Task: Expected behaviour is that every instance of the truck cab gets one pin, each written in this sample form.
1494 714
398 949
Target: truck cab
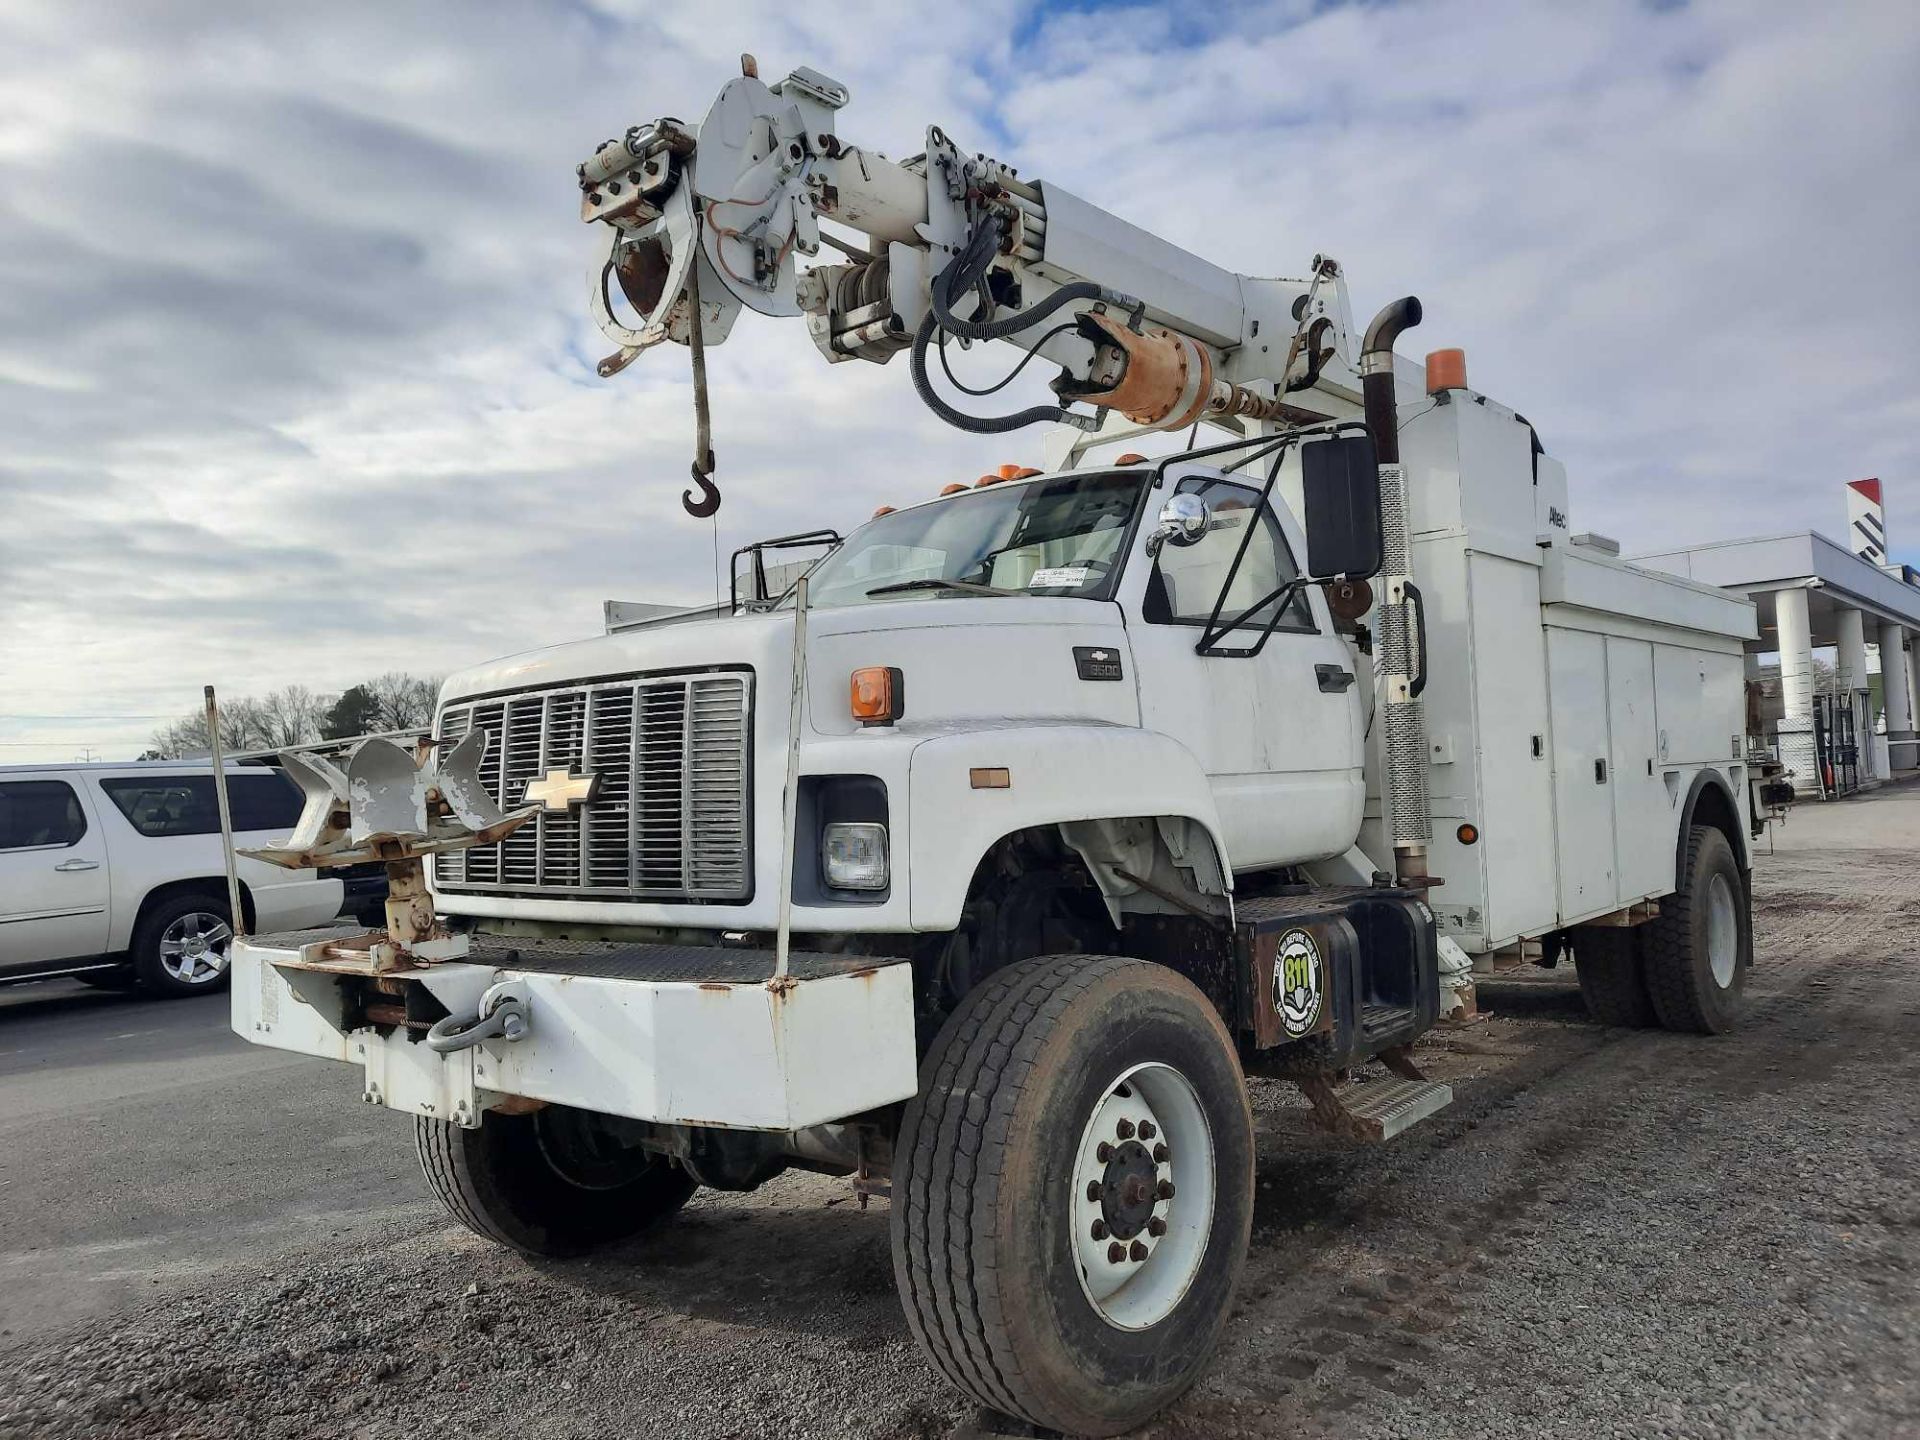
1022 632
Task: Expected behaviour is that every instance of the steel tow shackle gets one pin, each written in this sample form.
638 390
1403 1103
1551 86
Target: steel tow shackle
501 1015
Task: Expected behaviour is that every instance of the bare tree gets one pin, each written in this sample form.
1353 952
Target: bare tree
180 739
292 714
401 701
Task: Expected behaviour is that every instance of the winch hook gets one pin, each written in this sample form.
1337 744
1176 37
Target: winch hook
709 500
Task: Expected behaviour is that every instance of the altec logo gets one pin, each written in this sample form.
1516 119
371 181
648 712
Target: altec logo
1867 521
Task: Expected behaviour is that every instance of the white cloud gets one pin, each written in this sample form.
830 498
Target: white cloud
295 373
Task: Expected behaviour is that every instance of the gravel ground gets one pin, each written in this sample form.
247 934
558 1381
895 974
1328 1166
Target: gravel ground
1610 1233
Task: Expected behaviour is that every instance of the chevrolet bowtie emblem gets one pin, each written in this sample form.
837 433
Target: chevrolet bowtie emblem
562 790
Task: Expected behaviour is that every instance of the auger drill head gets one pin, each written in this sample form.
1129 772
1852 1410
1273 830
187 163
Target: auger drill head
385 806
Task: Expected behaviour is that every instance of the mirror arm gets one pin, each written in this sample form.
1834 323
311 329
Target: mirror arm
1279 599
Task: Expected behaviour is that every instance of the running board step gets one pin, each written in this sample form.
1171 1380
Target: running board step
1374 1112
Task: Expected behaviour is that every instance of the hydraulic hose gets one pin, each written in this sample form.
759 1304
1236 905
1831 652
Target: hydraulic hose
966 271
959 419
970 266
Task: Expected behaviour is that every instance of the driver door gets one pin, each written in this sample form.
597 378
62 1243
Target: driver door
1278 732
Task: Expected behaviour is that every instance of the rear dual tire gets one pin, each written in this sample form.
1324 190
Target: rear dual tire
1697 954
1686 969
1027 1131
1612 979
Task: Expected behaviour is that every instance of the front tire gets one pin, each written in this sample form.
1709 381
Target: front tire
1058 1259
1699 949
553 1182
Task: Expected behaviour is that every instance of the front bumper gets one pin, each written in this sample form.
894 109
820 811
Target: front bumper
677 1035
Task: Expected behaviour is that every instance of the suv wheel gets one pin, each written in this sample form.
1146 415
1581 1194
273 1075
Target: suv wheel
182 945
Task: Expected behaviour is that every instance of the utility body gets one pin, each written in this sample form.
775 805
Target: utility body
982 862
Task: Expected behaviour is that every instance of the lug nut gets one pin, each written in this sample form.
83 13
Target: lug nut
1093 1191
1124 1129
1146 1130
1156 1227
1104 1153
1099 1229
1138 1251
1159 1154
1116 1252
1164 1190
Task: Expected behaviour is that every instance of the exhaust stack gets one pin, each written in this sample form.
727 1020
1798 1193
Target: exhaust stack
1402 627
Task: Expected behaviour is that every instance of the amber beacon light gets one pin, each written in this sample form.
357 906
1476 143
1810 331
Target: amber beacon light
878 694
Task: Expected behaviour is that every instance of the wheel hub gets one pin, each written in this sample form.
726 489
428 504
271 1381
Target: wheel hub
193 947
1127 1196
1142 1198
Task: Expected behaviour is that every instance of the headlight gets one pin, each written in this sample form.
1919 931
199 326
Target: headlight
855 856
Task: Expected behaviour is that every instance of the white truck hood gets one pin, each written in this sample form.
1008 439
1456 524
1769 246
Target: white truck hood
964 657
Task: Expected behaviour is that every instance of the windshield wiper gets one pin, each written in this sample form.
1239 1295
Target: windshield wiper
933 584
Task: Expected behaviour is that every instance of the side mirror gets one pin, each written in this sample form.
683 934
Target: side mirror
1340 494
1183 521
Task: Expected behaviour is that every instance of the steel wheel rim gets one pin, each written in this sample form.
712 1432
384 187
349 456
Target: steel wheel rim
193 949
1175 1157
1723 931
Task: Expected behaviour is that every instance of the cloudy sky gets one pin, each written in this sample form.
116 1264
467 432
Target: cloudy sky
295 372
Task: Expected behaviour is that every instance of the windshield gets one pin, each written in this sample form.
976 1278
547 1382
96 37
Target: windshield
1060 536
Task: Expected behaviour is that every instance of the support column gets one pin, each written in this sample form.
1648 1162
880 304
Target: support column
1851 677
1897 684
1795 632
1913 683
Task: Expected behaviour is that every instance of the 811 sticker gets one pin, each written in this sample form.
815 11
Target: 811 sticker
1296 983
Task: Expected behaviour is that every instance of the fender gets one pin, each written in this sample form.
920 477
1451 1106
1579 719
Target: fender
1706 779
1055 772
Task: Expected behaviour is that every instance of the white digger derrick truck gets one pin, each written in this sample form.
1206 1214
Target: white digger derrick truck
983 863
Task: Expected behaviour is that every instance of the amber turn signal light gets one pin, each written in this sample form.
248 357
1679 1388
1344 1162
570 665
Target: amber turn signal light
878 694
1467 834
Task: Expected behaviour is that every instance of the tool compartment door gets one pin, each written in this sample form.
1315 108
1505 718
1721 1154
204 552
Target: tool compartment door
1582 773
1642 822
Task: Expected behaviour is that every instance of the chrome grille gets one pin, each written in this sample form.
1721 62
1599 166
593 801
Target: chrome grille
670 820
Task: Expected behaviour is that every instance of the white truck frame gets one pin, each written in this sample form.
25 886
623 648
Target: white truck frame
990 901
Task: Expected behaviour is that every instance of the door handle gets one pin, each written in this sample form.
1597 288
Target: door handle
70 865
1333 680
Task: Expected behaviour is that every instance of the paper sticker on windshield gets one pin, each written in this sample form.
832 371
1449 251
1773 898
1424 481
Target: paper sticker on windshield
1062 575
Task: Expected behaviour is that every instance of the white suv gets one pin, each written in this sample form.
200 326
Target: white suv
113 873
